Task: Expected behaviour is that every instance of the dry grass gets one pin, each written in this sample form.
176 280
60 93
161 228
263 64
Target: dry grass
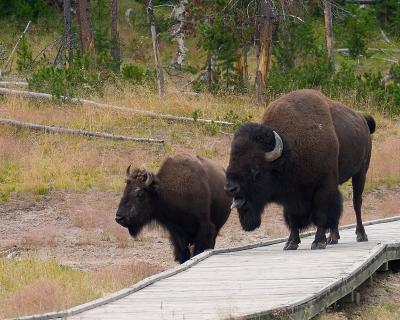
46 237
37 163
46 286
381 301
385 164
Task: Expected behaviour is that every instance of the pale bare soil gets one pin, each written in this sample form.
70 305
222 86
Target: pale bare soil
77 229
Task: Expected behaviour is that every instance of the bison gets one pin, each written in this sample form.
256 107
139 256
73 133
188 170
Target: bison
304 148
186 197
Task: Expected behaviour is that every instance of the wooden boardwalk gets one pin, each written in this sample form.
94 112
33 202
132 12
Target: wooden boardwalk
259 281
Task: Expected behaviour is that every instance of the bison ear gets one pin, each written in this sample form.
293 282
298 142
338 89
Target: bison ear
149 179
151 183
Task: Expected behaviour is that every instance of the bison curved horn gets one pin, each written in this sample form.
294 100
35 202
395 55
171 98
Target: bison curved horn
150 179
277 152
128 171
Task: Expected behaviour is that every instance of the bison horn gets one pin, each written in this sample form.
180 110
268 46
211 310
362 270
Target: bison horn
149 180
277 152
128 171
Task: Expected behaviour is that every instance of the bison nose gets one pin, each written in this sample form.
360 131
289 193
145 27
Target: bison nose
119 219
232 188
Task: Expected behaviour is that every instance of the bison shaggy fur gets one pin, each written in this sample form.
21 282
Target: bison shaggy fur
306 145
186 197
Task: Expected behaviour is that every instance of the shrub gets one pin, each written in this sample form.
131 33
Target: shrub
138 75
24 56
69 79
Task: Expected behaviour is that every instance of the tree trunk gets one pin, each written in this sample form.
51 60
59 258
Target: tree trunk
115 48
328 31
68 29
160 75
245 64
178 32
85 30
241 65
265 26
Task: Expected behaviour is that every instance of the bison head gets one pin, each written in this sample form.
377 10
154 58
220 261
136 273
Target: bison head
135 209
256 161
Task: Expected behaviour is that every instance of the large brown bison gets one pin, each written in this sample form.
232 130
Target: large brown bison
305 147
186 197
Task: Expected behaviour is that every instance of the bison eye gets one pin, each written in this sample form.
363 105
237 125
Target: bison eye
139 193
255 172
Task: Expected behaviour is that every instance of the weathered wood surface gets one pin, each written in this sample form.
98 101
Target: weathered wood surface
253 282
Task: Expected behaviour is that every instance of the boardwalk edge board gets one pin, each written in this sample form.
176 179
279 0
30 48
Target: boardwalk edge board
301 309
311 306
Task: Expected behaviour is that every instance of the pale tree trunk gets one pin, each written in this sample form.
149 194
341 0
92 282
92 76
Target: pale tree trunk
160 75
115 48
68 29
242 65
245 52
85 30
178 31
264 50
328 30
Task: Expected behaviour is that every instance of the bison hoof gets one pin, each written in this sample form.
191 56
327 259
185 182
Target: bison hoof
361 237
318 245
332 241
290 246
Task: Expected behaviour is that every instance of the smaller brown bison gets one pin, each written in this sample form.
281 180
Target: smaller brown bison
186 197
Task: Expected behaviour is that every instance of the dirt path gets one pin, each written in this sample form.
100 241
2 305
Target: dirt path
78 229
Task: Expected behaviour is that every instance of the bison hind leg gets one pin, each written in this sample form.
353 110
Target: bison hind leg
358 182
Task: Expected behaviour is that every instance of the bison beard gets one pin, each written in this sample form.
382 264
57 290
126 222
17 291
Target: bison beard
134 230
249 216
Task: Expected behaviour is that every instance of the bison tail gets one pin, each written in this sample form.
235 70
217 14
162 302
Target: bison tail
371 123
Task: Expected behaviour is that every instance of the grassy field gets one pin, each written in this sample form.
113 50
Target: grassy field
47 286
38 163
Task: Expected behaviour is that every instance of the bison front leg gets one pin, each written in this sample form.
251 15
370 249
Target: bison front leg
205 238
334 236
181 248
326 213
320 239
293 241
294 214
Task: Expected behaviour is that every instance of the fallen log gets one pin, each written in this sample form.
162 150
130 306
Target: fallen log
14 83
46 129
150 114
